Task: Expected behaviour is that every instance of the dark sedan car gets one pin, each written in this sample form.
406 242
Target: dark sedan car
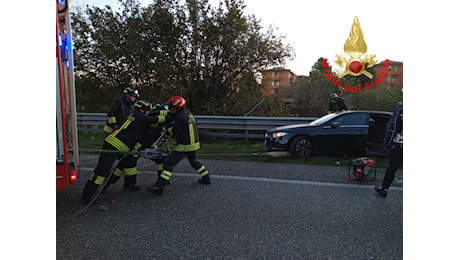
351 132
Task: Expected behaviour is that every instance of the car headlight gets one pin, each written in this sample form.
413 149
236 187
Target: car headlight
278 134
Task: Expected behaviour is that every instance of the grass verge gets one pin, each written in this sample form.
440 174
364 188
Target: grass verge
236 150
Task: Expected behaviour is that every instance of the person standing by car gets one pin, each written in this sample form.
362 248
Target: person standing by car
336 104
394 142
186 133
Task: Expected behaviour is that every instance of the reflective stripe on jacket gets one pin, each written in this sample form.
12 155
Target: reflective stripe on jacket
186 132
135 127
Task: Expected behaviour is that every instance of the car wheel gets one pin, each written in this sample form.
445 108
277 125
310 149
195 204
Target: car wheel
301 146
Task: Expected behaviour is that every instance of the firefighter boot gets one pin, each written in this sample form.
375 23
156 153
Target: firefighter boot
89 191
158 188
159 174
205 180
381 191
112 180
130 183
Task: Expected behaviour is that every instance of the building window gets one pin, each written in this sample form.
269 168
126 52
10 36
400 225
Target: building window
273 74
277 82
273 83
391 78
395 68
277 73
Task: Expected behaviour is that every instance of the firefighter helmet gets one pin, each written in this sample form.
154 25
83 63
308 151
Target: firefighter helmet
176 103
131 91
333 97
143 104
158 107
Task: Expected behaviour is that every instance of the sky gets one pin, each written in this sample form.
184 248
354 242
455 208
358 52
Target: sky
320 28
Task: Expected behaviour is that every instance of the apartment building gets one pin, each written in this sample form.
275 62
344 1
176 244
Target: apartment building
394 75
275 79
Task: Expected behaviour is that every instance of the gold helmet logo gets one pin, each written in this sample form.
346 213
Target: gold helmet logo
355 47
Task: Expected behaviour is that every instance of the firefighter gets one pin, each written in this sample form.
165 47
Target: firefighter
137 124
186 133
119 109
336 104
128 166
394 142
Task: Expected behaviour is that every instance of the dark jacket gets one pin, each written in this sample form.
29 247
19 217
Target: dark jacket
134 128
119 109
338 105
185 131
394 132
155 130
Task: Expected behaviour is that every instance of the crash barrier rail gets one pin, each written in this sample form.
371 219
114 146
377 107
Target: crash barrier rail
214 126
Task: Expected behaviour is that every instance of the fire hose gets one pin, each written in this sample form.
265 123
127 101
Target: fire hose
153 153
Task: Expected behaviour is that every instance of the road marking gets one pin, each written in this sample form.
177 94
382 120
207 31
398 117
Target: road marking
272 180
315 183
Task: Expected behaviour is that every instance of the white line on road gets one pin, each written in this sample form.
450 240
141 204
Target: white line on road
328 184
242 178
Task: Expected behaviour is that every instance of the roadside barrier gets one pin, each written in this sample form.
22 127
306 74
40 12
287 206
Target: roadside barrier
214 126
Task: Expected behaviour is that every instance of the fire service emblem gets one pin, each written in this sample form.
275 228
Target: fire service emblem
355 47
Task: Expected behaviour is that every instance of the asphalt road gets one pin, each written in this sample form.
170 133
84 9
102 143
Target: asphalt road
250 211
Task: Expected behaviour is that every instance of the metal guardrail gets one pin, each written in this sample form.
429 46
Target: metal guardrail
216 126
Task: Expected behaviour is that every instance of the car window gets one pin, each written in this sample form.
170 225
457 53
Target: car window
323 119
352 119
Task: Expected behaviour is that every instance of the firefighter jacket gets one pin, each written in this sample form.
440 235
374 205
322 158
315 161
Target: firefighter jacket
134 128
118 111
155 129
394 132
185 131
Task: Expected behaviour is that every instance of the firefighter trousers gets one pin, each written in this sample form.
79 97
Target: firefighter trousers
173 159
100 173
396 158
128 168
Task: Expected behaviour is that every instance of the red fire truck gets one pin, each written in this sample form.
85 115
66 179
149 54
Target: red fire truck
67 160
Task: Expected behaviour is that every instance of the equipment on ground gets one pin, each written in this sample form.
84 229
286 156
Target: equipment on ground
361 169
154 153
273 154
